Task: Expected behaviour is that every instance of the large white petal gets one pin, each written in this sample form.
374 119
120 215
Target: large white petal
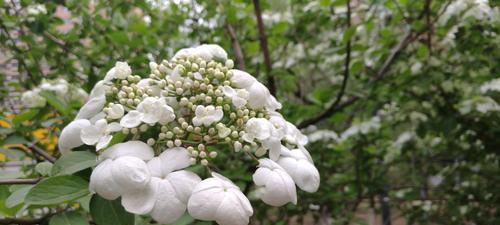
91 108
184 183
174 159
218 199
258 95
242 79
90 135
216 52
70 135
303 172
278 186
142 201
130 173
131 119
103 142
101 181
168 207
137 149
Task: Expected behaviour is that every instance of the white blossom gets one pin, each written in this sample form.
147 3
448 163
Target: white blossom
238 97
301 169
116 111
206 115
278 186
70 135
32 99
151 110
99 134
264 131
121 71
207 52
218 199
96 102
166 195
122 170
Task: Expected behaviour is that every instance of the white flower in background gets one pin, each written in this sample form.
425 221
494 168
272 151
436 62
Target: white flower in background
151 110
36 9
238 97
115 111
99 134
492 85
70 135
264 131
482 104
363 128
95 104
207 115
166 196
122 170
32 99
218 199
120 71
301 169
59 86
278 186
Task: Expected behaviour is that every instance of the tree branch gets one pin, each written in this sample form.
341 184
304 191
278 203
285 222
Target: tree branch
264 47
240 60
347 62
41 152
20 181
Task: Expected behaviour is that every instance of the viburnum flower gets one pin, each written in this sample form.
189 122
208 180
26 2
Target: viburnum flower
60 88
190 111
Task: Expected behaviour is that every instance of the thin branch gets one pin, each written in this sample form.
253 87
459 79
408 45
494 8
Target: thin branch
20 181
41 152
347 62
240 59
264 47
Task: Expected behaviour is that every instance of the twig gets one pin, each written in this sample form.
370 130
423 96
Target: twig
20 181
264 47
41 152
240 60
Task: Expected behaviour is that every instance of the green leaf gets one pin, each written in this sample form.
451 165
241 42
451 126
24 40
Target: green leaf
68 218
348 34
43 168
117 138
4 210
14 140
55 190
186 219
105 212
25 116
73 162
55 102
18 196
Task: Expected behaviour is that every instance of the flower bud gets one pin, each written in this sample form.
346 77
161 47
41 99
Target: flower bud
151 142
204 162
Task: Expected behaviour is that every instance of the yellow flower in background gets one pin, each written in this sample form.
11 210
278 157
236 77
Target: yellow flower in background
44 137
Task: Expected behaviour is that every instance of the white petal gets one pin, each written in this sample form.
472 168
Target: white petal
258 95
168 207
70 135
216 51
174 159
304 174
278 186
113 127
142 201
183 182
132 119
154 166
116 111
90 135
103 142
131 173
110 75
137 149
101 181
242 79
91 108
218 199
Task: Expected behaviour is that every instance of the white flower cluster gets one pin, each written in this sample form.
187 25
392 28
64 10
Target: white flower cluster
59 87
189 111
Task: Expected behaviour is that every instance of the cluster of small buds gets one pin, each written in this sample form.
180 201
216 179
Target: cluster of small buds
183 114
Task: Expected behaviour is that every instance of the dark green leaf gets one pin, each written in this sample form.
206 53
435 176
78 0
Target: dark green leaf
68 218
59 189
73 162
25 116
105 212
